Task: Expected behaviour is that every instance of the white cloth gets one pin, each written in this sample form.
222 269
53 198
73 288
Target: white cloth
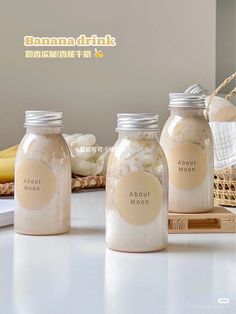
224 137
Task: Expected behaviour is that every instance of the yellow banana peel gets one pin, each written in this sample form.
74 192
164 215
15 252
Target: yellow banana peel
7 166
9 152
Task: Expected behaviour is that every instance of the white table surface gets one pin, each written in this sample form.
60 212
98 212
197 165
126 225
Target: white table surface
75 273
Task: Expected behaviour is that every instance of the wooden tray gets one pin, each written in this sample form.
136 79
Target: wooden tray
219 219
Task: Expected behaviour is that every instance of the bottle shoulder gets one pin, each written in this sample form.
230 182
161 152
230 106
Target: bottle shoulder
48 145
192 129
136 155
131 147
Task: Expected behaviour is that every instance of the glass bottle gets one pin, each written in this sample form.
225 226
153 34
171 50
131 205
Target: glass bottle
42 177
187 142
136 187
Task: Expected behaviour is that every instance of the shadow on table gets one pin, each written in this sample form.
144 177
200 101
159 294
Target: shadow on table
199 247
87 231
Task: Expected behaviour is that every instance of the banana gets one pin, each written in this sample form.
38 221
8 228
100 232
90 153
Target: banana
7 169
7 164
9 152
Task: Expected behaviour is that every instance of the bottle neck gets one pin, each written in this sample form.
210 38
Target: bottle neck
138 135
43 130
186 112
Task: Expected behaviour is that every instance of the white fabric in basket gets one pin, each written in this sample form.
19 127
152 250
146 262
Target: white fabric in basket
224 137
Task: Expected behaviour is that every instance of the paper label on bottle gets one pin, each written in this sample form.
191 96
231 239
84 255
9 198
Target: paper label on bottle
139 197
187 166
35 184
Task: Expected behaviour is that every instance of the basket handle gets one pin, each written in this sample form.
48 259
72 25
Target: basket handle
230 94
216 91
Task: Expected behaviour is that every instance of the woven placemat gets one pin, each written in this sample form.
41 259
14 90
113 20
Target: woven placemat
91 182
78 183
6 189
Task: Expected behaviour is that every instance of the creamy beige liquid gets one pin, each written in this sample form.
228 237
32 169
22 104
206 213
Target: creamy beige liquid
136 194
42 183
187 142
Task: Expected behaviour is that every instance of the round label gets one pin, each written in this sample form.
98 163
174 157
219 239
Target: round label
187 165
35 184
138 197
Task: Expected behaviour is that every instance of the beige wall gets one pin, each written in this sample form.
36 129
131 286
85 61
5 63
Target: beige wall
162 46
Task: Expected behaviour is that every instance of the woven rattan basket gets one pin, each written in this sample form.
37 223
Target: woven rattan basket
225 186
77 184
225 179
